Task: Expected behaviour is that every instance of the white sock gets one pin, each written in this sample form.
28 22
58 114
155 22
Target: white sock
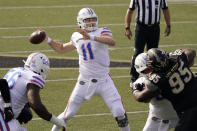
127 128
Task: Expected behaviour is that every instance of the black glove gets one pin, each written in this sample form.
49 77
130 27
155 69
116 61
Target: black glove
25 115
138 86
64 129
8 114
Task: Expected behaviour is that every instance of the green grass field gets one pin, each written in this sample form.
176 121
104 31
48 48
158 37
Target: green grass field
19 18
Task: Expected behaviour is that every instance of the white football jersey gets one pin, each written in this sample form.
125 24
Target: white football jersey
18 78
93 56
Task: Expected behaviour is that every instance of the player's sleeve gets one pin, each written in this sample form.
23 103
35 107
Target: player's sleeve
185 58
180 53
132 5
139 81
146 83
106 31
150 85
164 4
176 52
37 80
4 88
75 37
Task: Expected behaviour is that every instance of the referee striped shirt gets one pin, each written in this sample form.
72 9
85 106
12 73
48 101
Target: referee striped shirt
148 11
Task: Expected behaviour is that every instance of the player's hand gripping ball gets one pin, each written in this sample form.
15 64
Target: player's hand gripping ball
37 37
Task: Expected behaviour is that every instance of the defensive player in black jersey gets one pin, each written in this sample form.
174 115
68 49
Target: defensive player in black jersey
5 93
172 76
171 73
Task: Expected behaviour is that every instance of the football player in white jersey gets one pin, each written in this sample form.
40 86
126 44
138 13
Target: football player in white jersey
162 115
92 44
24 86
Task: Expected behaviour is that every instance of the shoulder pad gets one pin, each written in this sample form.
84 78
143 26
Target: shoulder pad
106 31
38 80
76 36
176 52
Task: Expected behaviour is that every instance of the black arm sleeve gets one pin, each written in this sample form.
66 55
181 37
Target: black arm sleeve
5 92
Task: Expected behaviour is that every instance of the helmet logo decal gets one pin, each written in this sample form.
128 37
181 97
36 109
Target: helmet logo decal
45 62
144 60
90 11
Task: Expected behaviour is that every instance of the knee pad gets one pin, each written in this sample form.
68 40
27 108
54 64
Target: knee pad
122 122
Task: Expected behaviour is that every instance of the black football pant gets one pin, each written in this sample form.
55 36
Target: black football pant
188 121
144 35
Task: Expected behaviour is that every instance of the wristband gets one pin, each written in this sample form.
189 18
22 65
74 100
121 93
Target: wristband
6 105
49 40
92 37
127 28
58 122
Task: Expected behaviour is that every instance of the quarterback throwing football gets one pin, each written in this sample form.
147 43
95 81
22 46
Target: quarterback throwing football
92 44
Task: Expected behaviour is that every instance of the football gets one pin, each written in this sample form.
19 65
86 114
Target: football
37 37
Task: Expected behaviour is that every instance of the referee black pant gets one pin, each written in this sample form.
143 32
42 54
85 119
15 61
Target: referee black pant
148 35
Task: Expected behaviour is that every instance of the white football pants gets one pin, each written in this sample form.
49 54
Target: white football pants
156 124
87 87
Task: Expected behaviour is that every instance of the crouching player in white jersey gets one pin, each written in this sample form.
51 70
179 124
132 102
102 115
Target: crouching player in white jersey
162 115
24 86
92 44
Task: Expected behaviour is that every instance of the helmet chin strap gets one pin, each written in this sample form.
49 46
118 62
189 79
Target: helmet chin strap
31 70
36 72
90 28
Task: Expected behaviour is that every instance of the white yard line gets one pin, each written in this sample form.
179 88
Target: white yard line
168 45
61 6
111 49
72 79
21 52
101 114
71 26
90 5
14 37
38 27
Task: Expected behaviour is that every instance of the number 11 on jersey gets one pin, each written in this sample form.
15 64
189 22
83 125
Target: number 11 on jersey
87 49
